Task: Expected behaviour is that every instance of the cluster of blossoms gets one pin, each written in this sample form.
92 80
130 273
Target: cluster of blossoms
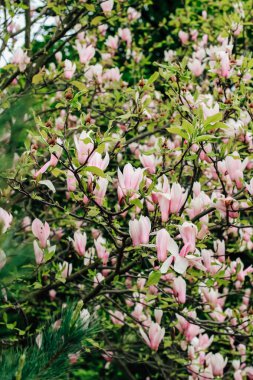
144 188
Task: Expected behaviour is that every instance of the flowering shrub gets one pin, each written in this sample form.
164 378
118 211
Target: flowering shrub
131 186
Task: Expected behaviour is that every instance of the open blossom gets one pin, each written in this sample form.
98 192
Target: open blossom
139 230
129 181
112 75
184 37
154 337
188 232
5 220
107 6
150 162
84 147
117 317
97 160
41 232
164 244
103 254
21 59
94 72
54 158
65 269
224 60
71 181
112 42
100 190
38 253
79 243
86 53
235 168
69 69
196 67
217 362
184 258
125 35
133 14
179 289
171 201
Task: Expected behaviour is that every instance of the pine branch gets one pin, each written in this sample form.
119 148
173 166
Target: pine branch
58 340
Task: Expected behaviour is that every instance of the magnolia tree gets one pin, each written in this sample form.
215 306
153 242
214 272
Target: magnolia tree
126 176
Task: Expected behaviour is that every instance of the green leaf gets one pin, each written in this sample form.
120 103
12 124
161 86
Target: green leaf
178 131
187 126
153 78
95 170
81 86
89 7
49 184
213 119
97 20
137 203
37 78
154 278
50 253
206 138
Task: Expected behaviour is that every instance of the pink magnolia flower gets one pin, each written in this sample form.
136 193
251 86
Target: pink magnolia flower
100 190
196 67
225 205
209 110
183 259
26 223
84 147
133 14
103 254
183 36
217 362
125 35
94 72
102 29
107 6
117 317
150 162
69 69
38 253
71 181
112 42
179 289
58 56
164 244
79 243
65 269
21 59
171 201
52 162
97 160
86 53
112 75
5 220
188 232
129 181
52 294
235 168
139 230
224 70
158 316
41 232
154 337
